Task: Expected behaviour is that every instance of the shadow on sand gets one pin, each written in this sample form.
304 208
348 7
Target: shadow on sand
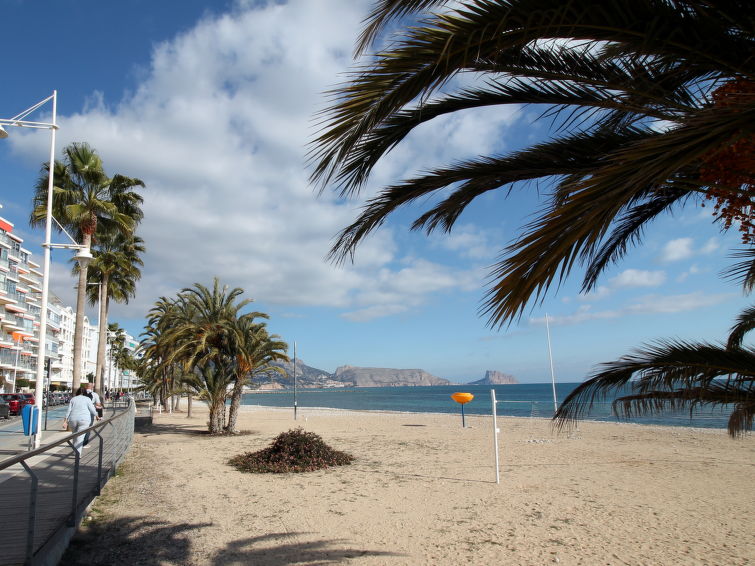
188 429
147 542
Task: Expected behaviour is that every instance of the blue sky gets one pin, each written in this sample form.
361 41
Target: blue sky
212 104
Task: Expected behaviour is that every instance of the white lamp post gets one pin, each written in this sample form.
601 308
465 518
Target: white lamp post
82 257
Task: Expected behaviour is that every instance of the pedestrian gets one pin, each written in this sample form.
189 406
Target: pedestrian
95 398
81 414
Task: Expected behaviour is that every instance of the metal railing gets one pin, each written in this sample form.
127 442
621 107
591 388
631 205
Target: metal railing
44 493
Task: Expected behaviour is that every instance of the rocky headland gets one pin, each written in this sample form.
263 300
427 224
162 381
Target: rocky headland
493 377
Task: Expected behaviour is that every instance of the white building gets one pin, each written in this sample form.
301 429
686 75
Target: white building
115 377
20 308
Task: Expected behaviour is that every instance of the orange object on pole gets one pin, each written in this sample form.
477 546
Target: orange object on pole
462 399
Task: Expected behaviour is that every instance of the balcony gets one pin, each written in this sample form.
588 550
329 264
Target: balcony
10 325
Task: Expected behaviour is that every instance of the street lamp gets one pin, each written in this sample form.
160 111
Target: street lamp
83 256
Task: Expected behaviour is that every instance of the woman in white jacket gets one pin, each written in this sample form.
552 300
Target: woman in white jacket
81 413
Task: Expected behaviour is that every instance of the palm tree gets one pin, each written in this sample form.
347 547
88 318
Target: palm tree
201 340
87 201
254 351
122 358
157 371
212 380
114 271
673 374
651 102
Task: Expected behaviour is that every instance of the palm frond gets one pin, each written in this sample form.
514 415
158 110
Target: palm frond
628 232
745 323
386 11
743 271
667 374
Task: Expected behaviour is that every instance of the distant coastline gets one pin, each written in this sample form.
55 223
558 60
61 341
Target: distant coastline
308 377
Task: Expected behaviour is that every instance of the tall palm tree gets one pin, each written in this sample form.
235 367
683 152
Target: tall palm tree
86 201
651 103
254 351
114 271
673 374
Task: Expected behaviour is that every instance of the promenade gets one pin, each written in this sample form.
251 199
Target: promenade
13 441
44 494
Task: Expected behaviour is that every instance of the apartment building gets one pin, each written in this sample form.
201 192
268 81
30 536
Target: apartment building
20 281
20 308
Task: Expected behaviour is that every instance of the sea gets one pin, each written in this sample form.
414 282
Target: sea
521 400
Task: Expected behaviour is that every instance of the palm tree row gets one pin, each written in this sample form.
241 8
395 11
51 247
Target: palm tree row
652 107
112 275
121 358
100 210
201 342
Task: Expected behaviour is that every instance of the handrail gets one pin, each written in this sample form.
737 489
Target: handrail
42 449
46 498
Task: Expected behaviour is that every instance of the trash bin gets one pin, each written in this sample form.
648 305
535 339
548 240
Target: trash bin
29 418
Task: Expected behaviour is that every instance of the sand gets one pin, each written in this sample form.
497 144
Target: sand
422 491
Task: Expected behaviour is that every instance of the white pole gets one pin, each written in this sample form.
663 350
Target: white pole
550 357
42 344
495 436
295 407
15 367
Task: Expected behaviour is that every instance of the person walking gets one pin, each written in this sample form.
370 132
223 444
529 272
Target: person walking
94 396
81 414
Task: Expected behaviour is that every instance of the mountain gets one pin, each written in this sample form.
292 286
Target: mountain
306 376
493 377
345 376
386 377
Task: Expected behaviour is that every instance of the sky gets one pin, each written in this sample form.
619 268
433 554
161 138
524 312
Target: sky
213 103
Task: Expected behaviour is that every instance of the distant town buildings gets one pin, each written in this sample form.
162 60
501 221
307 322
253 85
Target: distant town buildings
20 308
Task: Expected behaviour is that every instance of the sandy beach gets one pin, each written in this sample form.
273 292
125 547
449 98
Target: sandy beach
422 491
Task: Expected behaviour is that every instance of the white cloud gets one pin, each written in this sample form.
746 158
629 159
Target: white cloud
676 250
377 311
693 270
638 278
711 246
626 279
388 292
471 242
583 314
683 248
677 303
649 304
600 292
219 136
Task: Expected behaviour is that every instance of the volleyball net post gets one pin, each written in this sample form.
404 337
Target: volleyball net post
496 430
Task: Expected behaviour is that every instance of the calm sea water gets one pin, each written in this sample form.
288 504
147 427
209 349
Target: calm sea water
523 400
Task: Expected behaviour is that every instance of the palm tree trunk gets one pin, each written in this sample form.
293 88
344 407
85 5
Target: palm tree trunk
102 338
217 416
188 404
238 388
164 392
78 333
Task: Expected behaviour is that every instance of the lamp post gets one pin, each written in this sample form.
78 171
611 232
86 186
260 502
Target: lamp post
82 257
